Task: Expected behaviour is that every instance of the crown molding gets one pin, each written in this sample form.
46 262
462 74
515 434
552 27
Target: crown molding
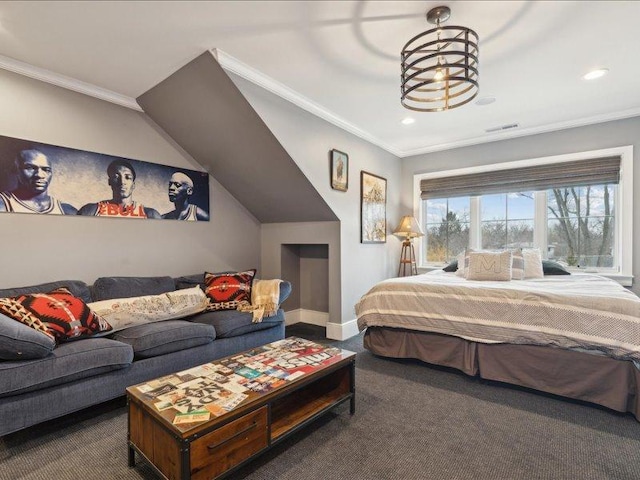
235 66
69 83
553 127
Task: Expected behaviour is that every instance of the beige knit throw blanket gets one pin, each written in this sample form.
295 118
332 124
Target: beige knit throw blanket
265 295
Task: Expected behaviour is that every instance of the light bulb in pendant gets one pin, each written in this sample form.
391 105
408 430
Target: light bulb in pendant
439 75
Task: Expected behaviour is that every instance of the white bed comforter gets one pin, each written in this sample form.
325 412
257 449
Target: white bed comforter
579 311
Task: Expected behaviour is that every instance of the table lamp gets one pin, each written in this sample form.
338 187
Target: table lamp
409 228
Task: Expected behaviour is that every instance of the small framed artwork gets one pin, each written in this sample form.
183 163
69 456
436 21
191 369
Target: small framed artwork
373 208
339 162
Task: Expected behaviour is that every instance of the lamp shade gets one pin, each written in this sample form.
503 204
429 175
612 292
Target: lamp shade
409 228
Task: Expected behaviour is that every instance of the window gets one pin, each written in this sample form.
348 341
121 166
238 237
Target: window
507 220
588 226
580 226
447 228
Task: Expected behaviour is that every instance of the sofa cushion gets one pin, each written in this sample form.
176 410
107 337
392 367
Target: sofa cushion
105 288
228 290
189 281
20 342
76 287
231 323
64 316
123 313
68 362
154 339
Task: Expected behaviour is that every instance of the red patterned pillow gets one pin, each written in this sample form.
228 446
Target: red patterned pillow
227 290
57 313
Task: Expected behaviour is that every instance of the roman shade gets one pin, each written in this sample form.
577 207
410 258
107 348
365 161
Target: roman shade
594 171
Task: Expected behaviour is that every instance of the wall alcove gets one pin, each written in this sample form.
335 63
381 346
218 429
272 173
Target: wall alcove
306 266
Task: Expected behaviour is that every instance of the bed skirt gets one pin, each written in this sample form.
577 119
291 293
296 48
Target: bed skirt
605 381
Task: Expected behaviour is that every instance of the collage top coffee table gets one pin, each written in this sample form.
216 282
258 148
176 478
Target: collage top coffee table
207 421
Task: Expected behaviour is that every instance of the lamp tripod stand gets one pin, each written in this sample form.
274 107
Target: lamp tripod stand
407 259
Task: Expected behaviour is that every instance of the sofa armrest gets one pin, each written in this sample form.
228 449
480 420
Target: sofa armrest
285 291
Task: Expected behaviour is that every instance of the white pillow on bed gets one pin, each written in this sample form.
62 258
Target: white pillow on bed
495 266
532 263
517 262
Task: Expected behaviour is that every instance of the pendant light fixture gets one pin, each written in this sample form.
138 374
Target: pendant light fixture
440 66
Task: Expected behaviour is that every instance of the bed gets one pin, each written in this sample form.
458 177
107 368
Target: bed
577 336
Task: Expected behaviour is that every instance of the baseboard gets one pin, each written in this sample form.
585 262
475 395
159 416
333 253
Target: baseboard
342 331
302 315
335 331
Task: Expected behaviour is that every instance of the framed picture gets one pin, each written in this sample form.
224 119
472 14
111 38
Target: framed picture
339 162
373 208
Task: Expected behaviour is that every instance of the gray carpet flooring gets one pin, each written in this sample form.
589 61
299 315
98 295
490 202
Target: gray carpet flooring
412 421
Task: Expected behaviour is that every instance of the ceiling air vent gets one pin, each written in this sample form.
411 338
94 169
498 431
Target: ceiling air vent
502 127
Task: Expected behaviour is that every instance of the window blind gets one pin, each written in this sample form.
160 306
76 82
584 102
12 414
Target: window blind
595 171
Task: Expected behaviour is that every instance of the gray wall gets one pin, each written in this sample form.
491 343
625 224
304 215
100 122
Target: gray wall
307 268
290 269
203 111
308 140
38 248
592 137
314 277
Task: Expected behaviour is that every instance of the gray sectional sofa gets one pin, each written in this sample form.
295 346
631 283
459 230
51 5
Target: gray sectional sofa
82 373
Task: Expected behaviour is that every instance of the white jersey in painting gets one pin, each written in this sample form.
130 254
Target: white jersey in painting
14 204
192 214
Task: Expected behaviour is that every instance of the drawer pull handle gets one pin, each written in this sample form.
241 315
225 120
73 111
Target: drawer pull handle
240 433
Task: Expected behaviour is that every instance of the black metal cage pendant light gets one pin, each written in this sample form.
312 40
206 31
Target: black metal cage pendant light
440 66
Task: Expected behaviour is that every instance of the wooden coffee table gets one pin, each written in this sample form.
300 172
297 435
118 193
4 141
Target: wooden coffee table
205 422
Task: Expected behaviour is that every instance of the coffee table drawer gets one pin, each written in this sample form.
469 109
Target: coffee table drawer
226 447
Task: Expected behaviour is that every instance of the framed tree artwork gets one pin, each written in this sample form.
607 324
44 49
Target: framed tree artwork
339 162
373 208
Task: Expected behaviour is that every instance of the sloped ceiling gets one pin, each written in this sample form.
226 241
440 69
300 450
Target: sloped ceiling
205 113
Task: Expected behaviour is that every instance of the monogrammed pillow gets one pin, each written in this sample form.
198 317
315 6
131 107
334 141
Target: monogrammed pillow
490 266
517 263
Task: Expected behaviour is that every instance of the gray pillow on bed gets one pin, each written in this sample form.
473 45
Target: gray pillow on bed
452 267
549 267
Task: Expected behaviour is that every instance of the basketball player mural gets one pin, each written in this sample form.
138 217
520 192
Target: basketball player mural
33 172
122 180
180 189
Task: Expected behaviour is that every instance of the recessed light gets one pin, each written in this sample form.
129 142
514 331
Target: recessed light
485 100
593 74
408 121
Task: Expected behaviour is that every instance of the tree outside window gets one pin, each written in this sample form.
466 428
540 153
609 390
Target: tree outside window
447 228
581 225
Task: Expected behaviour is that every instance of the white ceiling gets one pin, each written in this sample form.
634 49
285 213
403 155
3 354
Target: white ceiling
340 59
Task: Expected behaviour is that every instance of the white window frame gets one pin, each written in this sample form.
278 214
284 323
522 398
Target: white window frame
623 204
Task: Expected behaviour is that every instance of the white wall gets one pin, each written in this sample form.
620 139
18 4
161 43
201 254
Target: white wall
35 249
592 137
308 140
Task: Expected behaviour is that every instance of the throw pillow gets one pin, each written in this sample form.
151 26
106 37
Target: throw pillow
549 267
63 316
123 313
517 264
532 263
451 267
19 342
227 290
490 266
462 262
